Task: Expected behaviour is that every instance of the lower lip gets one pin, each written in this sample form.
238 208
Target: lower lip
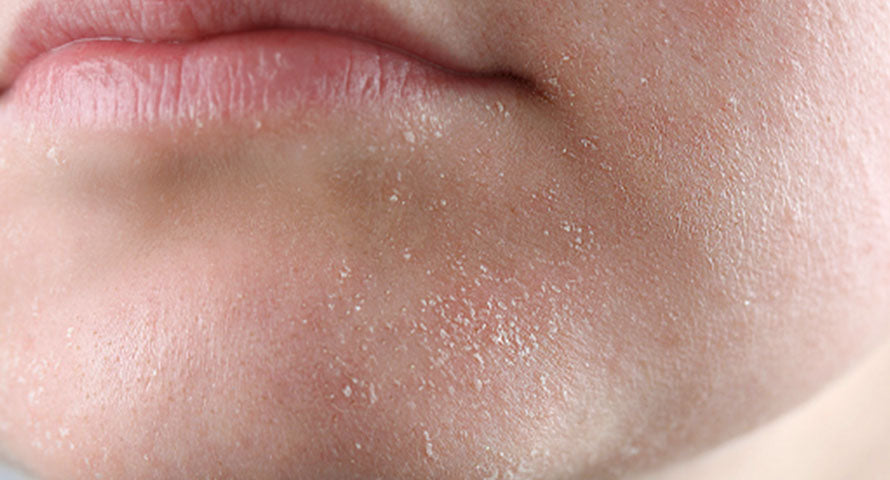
120 84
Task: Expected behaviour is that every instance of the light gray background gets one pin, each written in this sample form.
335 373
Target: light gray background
8 474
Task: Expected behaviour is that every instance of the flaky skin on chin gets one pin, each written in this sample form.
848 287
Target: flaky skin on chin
675 227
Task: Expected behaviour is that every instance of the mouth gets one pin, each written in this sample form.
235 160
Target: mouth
103 63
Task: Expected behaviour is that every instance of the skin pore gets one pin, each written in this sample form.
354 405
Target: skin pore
668 225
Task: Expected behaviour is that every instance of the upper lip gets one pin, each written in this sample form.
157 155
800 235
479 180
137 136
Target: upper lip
51 24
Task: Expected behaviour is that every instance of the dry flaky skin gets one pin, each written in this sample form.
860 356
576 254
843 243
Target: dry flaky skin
685 235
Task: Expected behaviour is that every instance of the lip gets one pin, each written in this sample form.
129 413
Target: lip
116 62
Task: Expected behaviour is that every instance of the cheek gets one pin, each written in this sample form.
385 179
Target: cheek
249 360
238 329
742 152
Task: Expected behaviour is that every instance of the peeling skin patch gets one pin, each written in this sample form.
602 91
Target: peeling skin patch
428 445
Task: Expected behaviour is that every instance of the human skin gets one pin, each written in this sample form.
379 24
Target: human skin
670 224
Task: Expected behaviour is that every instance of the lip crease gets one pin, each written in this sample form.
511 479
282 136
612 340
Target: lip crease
118 63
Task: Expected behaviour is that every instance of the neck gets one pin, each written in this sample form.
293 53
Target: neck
844 432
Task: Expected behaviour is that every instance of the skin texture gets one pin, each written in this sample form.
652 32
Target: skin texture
673 228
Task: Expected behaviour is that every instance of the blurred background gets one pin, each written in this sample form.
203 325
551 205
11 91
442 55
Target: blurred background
7 473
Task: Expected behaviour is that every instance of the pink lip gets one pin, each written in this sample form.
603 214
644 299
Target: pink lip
122 84
109 63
